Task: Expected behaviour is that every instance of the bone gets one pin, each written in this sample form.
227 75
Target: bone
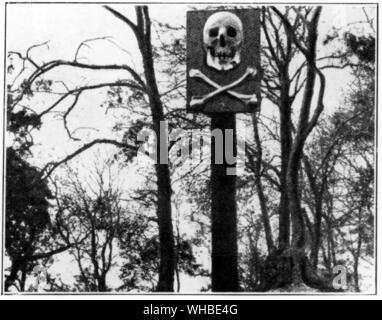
247 98
198 101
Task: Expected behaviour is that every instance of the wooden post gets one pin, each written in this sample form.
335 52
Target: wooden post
223 212
227 31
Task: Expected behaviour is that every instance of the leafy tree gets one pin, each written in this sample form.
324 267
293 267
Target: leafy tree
27 215
27 220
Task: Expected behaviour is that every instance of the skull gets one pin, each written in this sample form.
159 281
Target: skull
222 38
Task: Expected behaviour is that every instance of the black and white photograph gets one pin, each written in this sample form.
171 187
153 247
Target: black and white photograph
189 149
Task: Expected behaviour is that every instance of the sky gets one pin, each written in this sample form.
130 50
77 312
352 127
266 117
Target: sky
65 26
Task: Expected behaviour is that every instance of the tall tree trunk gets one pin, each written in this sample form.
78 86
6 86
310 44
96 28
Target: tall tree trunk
293 185
101 283
356 256
317 192
166 236
316 234
23 278
330 240
356 276
286 142
12 277
294 161
301 270
259 188
142 31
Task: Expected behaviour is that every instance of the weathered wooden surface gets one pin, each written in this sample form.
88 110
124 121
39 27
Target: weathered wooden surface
196 59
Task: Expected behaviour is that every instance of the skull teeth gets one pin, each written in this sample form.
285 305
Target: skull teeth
222 55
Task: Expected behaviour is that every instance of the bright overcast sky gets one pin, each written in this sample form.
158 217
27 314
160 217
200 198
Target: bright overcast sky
65 26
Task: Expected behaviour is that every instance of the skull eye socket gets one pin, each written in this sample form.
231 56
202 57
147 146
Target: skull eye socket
213 32
231 32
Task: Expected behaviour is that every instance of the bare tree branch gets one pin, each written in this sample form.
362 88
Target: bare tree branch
51 166
79 90
120 16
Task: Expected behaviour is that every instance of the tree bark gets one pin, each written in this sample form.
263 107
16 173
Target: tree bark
101 283
356 277
286 142
13 275
259 188
356 255
166 236
301 268
318 202
142 32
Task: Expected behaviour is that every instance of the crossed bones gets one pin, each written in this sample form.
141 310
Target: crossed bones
198 101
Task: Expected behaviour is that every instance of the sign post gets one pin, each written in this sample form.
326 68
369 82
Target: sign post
223 60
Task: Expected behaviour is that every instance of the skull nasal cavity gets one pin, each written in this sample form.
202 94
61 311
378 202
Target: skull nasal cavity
222 40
